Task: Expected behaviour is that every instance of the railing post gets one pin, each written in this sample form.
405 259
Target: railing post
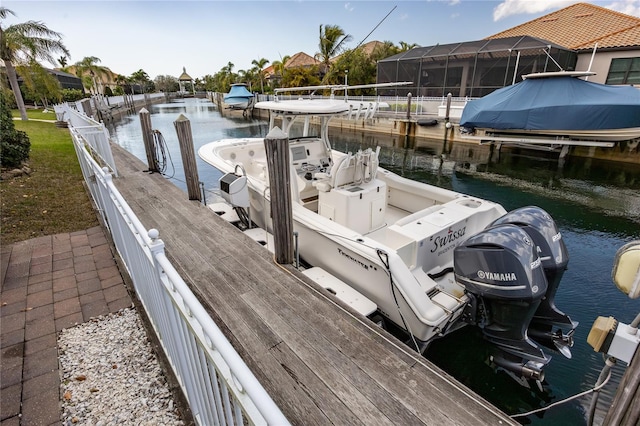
277 149
185 138
147 137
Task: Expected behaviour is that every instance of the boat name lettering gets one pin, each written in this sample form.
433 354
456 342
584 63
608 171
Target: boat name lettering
556 237
496 276
353 259
451 236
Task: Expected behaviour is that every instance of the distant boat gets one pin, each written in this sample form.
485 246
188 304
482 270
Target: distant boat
238 97
558 106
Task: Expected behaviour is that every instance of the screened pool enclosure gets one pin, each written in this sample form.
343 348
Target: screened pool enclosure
473 68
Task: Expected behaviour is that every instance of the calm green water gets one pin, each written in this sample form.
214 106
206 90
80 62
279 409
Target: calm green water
595 204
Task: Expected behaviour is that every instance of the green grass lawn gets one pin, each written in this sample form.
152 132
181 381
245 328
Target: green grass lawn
36 113
52 199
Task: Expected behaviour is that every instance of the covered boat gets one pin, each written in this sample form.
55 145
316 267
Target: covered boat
238 97
410 256
558 105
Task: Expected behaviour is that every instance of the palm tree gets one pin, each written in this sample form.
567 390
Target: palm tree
332 41
278 69
140 77
89 66
25 42
259 66
404 46
62 60
122 82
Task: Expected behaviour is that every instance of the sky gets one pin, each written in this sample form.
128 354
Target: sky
162 37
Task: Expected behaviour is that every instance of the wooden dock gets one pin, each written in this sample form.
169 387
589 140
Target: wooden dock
321 362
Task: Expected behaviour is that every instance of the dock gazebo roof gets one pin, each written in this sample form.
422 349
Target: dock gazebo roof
184 77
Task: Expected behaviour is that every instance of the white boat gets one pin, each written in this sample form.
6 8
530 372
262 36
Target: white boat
385 244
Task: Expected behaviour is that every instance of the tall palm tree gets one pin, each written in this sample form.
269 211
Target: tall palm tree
332 42
259 66
62 60
88 66
25 42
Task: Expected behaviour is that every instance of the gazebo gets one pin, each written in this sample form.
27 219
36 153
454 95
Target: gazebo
186 78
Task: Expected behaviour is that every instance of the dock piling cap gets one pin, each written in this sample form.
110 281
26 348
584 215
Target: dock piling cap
276 133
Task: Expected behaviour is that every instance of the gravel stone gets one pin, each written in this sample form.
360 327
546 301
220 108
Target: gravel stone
110 375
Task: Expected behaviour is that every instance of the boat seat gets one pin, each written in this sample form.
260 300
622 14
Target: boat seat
338 175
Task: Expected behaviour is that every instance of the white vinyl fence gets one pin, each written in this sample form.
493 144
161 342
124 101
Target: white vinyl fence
218 385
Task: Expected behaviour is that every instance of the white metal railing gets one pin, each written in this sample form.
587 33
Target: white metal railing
93 133
421 106
218 385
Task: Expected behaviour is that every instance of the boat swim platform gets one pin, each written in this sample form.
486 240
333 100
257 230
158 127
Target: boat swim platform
321 362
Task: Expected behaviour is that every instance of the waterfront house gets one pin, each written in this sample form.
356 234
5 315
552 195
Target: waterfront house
565 39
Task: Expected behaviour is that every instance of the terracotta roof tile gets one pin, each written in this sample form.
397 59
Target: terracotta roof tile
624 38
580 26
301 59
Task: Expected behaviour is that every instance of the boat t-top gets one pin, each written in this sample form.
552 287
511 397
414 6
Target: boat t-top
407 255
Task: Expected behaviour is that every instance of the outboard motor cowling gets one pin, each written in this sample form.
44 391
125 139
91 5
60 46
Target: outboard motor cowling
501 272
545 235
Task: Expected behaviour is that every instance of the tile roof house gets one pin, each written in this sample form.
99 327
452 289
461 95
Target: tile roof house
301 59
583 27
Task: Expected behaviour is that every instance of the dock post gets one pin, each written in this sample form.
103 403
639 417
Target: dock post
625 408
147 137
220 103
277 149
185 138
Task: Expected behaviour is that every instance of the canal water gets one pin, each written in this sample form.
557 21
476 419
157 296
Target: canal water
595 204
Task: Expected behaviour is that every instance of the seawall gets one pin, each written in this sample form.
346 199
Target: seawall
412 135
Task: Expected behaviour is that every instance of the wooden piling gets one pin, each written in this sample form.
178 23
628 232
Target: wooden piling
277 149
625 408
185 139
147 137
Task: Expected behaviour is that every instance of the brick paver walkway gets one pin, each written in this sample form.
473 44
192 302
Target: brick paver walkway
48 284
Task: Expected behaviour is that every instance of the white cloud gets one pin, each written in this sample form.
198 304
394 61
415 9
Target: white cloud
348 7
630 7
516 7
455 15
453 2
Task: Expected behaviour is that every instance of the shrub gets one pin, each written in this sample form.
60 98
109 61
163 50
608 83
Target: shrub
14 144
72 95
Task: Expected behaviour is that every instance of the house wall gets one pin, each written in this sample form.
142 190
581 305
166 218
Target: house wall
602 62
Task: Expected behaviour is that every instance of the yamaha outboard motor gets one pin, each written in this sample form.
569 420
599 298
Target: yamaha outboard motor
539 225
501 272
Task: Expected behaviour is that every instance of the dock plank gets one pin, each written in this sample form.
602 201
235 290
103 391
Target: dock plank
321 362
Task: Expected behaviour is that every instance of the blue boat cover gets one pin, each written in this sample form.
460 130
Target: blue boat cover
555 103
238 91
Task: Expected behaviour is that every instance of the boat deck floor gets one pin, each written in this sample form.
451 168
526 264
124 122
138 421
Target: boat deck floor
321 362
